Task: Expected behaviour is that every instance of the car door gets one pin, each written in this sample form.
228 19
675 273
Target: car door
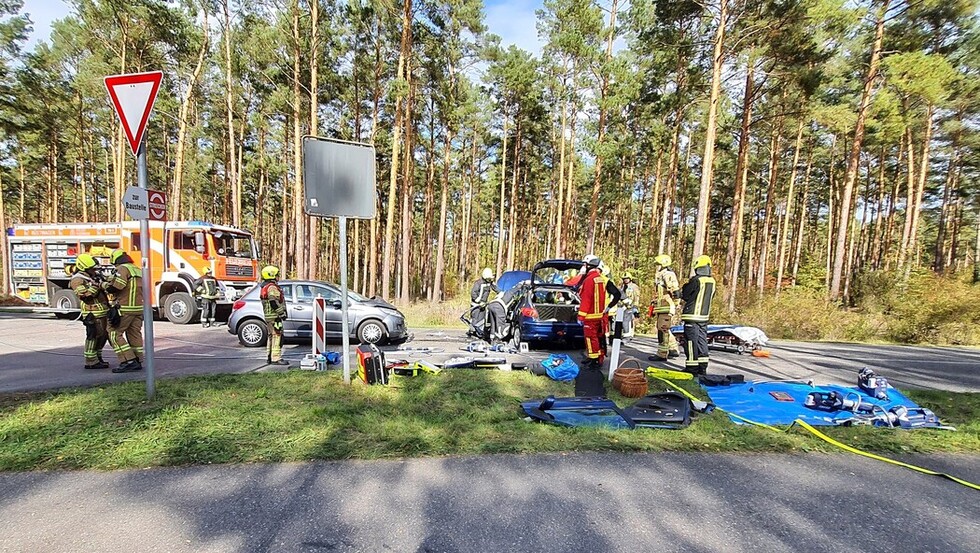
332 298
287 295
301 310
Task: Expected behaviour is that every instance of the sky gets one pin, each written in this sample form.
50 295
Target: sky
512 20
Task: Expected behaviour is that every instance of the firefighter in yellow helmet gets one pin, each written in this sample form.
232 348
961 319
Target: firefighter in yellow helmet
125 316
697 295
94 304
206 288
664 307
274 310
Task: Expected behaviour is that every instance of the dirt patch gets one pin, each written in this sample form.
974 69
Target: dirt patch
13 301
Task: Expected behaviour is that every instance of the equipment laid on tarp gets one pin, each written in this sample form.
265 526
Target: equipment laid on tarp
784 402
736 338
668 410
560 367
483 347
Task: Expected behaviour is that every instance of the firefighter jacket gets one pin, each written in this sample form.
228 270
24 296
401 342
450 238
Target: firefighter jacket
273 301
481 292
667 291
592 294
697 294
92 297
207 288
127 288
632 293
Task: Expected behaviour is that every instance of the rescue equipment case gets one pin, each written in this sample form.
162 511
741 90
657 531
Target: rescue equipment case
371 367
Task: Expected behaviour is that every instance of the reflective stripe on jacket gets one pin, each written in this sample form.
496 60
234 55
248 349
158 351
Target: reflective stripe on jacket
592 295
697 294
127 287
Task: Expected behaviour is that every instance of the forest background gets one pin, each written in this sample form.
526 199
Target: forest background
823 152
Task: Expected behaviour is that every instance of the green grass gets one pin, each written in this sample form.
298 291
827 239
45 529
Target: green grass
303 416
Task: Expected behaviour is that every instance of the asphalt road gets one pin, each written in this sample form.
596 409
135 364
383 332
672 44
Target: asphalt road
555 503
40 352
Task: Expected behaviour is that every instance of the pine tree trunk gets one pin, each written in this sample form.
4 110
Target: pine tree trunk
803 214
733 253
182 117
781 263
920 190
855 155
441 243
603 92
231 174
387 266
513 198
561 181
5 287
707 161
503 183
774 147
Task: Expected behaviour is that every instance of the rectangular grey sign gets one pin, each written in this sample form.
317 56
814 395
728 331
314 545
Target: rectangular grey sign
339 178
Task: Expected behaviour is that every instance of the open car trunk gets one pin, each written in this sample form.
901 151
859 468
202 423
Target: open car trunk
558 304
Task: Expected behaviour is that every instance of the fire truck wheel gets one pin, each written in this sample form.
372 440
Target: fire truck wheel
180 308
64 299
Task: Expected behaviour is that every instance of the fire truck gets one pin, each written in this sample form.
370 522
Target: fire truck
179 253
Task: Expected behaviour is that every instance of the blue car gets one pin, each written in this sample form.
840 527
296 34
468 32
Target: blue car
542 306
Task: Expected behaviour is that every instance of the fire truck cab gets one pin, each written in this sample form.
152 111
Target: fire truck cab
179 253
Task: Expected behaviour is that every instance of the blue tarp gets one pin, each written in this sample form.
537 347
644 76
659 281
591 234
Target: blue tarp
758 402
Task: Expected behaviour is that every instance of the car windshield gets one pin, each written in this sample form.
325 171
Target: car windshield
230 244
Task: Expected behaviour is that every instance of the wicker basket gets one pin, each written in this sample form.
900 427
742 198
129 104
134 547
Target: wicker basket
630 380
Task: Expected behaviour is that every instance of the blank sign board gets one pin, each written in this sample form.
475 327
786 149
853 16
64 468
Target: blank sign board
339 178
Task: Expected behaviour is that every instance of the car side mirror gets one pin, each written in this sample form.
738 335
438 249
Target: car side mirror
336 304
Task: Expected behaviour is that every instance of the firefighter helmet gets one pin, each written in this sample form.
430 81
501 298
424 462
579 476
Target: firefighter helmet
628 275
270 272
115 255
487 274
702 261
84 262
591 260
663 260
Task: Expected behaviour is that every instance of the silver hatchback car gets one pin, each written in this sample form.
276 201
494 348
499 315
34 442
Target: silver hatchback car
372 320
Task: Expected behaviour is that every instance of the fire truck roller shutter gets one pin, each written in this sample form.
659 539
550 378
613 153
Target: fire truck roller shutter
179 306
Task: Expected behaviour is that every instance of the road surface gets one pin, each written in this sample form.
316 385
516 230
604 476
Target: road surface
589 502
39 352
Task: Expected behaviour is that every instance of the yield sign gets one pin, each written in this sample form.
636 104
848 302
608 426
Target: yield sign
133 95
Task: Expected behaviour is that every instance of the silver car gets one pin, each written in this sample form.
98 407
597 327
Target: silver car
372 320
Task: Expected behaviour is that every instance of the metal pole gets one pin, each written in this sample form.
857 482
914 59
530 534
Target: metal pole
147 278
345 326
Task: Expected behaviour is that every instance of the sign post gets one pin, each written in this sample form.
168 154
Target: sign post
340 180
132 97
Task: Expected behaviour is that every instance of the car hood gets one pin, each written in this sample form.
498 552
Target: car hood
378 302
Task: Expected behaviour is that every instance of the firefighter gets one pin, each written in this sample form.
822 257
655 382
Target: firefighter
664 307
126 323
592 310
206 288
697 294
85 282
613 296
274 308
631 293
483 289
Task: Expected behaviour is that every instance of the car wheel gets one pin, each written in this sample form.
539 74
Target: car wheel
180 308
372 331
252 333
516 335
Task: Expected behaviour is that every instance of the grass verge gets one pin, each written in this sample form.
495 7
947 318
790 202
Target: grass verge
298 416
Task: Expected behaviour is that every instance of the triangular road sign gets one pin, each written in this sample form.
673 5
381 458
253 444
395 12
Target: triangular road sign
132 96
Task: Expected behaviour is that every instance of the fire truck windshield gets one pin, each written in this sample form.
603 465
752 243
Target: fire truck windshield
234 245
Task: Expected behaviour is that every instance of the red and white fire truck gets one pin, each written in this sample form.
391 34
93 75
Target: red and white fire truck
179 253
